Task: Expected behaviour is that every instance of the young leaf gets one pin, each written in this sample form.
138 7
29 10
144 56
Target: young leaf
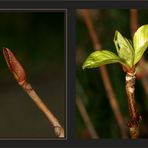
140 42
99 58
124 48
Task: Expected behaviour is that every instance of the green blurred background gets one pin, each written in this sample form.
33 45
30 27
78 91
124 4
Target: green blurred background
37 40
89 85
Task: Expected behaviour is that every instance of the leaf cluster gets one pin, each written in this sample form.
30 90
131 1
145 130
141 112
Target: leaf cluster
129 53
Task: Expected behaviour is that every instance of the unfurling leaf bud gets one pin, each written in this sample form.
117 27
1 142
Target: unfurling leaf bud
14 66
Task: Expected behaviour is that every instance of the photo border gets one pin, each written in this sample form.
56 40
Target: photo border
65 70
71 6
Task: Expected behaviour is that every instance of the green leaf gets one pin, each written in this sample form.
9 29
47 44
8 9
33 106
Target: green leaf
140 42
124 48
99 58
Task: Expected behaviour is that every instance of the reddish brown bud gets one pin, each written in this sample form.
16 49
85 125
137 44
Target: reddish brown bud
14 66
124 69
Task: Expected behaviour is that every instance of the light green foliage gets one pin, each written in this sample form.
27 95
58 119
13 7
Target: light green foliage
124 49
128 54
99 58
140 42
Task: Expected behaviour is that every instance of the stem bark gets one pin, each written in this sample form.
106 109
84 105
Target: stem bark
135 119
58 129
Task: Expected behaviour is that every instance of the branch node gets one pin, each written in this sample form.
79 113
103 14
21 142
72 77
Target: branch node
58 131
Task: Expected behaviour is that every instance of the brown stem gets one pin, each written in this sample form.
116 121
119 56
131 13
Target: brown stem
104 75
134 21
134 27
91 29
59 131
19 73
86 118
130 88
145 75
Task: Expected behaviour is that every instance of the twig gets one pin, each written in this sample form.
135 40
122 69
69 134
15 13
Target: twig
37 100
19 74
134 27
135 119
134 21
86 118
104 75
130 85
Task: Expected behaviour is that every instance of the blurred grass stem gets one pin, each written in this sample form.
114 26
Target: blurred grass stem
134 26
104 75
86 118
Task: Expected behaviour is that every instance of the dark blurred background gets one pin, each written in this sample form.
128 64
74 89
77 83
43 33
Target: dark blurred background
89 86
37 40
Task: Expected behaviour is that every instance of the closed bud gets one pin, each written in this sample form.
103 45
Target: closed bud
14 66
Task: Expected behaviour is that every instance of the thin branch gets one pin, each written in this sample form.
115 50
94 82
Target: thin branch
134 21
86 118
134 27
59 131
135 119
83 110
19 74
104 75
